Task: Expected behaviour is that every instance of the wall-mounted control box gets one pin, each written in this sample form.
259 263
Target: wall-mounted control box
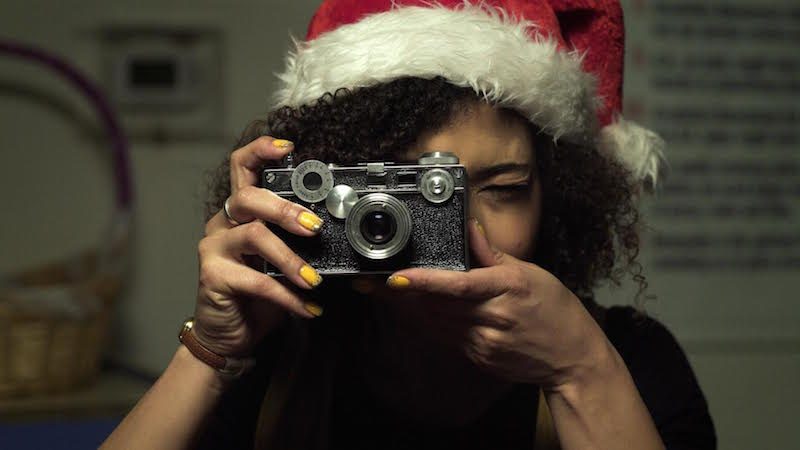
164 77
166 83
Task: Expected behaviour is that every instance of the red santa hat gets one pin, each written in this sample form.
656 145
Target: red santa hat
557 62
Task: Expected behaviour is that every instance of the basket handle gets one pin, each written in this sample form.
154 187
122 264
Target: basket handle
115 246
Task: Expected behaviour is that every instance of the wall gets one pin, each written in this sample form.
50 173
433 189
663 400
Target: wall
718 80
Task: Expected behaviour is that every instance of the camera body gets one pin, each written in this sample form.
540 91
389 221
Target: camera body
379 217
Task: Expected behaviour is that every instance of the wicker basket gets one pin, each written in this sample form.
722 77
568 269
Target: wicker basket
53 326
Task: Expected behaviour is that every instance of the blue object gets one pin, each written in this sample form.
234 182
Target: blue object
57 435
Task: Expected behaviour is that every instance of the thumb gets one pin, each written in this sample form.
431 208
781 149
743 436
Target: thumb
486 255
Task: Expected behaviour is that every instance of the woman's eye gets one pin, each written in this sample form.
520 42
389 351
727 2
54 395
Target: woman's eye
507 190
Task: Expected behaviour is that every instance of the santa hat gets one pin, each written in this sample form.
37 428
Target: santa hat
557 62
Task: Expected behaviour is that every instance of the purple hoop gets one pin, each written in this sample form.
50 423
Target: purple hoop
119 144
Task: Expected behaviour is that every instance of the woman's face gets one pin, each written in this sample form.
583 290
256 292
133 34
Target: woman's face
496 147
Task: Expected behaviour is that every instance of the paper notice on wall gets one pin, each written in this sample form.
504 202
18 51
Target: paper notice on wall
720 81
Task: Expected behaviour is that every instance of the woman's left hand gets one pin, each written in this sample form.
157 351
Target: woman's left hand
509 317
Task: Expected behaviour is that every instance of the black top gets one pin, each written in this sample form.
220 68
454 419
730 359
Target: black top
656 362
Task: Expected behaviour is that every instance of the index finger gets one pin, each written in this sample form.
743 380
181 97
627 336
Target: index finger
475 284
248 160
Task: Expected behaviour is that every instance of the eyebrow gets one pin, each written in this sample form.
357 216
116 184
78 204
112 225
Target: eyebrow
485 173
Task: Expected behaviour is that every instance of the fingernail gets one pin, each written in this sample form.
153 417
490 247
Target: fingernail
313 308
309 221
310 276
398 282
479 227
282 144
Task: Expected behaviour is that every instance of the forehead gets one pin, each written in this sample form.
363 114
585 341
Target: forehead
480 137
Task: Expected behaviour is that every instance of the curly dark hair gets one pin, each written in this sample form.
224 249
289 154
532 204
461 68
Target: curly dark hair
589 225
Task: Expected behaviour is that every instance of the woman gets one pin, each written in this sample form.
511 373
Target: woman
437 358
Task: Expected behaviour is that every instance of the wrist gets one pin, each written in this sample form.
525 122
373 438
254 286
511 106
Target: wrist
601 370
588 356
226 366
602 408
188 364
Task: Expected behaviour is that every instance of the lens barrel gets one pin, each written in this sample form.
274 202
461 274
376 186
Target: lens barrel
378 226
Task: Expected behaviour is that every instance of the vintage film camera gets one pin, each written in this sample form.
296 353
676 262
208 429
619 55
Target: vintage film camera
380 216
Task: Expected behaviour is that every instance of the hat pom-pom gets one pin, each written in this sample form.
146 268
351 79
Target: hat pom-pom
640 150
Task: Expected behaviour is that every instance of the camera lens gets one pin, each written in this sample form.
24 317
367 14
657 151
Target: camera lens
312 181
378 227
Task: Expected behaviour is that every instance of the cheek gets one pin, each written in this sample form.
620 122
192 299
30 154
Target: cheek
512 234
510 228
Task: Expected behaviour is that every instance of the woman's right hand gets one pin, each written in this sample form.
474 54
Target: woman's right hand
236 304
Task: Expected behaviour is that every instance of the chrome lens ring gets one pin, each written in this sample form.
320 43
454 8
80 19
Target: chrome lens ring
387 204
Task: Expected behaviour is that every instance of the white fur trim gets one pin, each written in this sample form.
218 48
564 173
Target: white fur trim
639 149
472 46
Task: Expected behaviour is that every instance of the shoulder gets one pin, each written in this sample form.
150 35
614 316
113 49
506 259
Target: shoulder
664 377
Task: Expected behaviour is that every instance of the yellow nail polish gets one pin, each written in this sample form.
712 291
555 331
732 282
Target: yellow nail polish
309 221
398 282
310 276
282 144
313 308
